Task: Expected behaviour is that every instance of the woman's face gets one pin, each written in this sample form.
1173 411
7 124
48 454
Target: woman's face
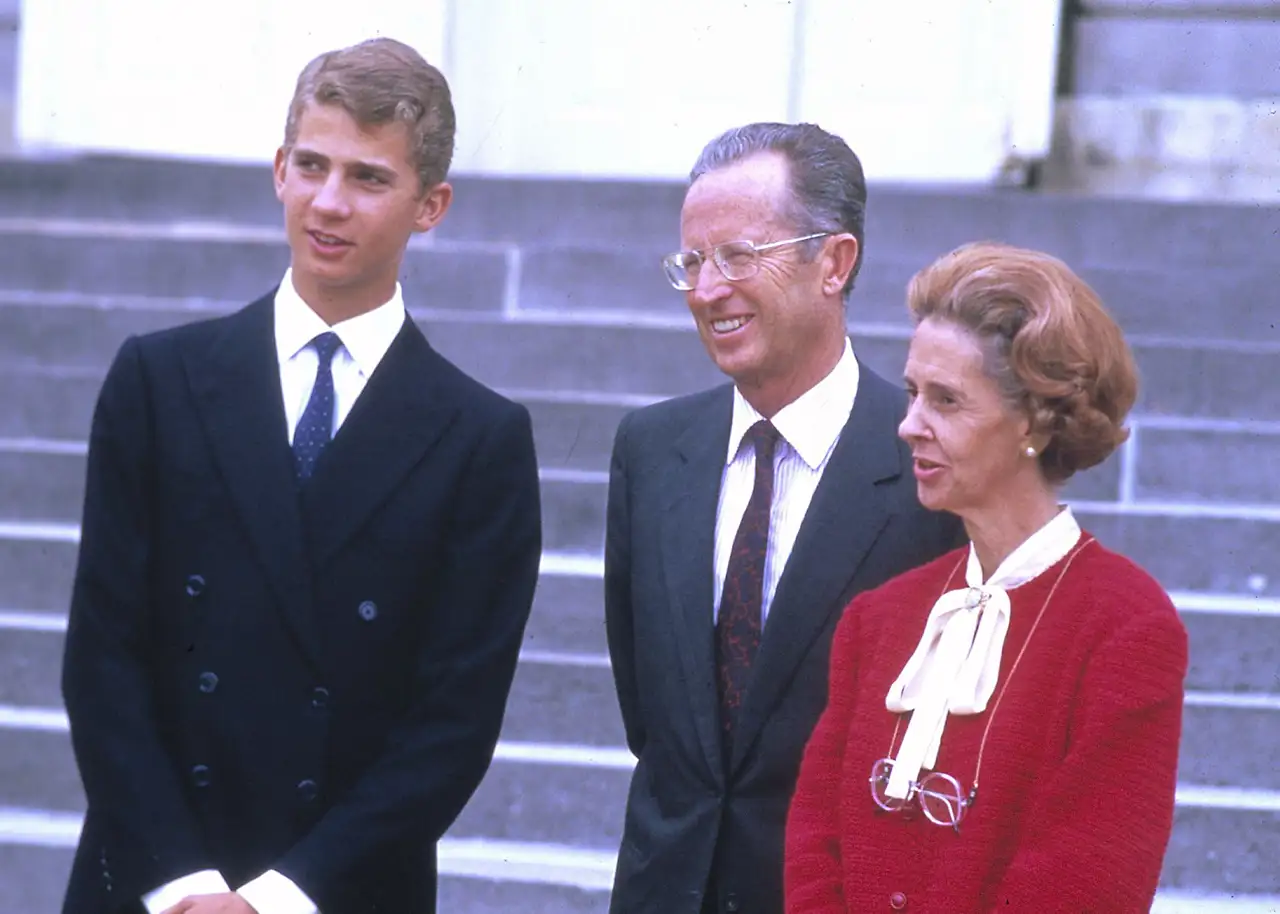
968 445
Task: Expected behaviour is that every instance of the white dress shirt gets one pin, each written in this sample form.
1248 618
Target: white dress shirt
810 426
365 340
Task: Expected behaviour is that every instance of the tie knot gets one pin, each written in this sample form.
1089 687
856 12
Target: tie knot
764 438
325 345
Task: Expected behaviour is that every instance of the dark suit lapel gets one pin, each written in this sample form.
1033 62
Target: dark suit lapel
688 551
236 387
397 417
844 519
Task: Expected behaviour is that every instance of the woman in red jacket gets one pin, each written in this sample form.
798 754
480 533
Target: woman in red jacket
1002 726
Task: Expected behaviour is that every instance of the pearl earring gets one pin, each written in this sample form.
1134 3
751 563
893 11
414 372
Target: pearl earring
1030 451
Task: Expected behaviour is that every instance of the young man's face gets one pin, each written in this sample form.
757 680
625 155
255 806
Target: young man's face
352 199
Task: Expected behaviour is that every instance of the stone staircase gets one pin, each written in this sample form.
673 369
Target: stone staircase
550 291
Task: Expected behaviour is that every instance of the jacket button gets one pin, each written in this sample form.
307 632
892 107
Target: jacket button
898 901
731 903
195 585
320 698
208 682
308 790
368 610
200 775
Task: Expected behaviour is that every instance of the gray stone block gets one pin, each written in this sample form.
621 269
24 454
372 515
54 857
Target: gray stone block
1215 554
1254 738
555 703
50 487
32 665
36 575
227 270
1233 653
47 403
1213 466
1100 483
38 771
478 896
575 280
554 211
573 516
1193 305
1220 383
33 879
568 615
47 487
518 800
911 225
582 807
132 189
574 436
1223 850
1234 57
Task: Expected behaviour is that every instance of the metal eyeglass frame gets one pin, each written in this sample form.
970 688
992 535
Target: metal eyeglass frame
674 266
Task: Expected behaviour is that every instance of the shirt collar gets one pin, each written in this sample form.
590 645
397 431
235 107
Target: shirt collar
366 337
810 424
1037 554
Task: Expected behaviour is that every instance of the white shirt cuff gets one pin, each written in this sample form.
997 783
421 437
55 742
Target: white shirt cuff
274 893
205 882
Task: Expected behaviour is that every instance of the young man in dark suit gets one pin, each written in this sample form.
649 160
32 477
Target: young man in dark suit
309 552
743 519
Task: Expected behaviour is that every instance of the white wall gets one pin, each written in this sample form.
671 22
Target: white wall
928 90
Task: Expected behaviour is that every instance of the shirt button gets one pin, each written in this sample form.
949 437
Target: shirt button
368 610
308 790
208 682
201 776
320 698
195 585
898 901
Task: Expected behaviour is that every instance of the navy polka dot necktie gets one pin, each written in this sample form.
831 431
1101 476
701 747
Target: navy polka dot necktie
315 428
738 625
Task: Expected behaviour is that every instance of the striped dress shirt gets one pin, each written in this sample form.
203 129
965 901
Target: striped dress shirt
810 427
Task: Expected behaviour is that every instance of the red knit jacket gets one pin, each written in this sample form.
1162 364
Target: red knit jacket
1075 805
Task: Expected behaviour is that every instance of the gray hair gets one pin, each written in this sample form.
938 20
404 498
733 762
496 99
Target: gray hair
828 189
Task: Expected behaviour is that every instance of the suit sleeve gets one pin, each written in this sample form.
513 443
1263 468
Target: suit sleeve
436 756
617 593
137 806
1101 822
813 877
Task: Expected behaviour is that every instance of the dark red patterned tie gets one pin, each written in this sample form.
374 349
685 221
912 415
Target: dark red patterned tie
742 602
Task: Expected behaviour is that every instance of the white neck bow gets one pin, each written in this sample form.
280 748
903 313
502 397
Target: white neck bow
956 664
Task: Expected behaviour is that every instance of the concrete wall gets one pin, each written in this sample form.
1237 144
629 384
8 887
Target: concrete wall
1177 98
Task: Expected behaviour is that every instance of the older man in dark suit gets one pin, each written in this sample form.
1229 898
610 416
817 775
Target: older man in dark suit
743 519
309 552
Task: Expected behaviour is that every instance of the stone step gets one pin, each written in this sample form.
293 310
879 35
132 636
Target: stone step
1185 547
47 420
33 878
905 224
570 805
1214 847
1233 649
566 619
226 266
621 358
571 432
44 478
576 705
45 483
